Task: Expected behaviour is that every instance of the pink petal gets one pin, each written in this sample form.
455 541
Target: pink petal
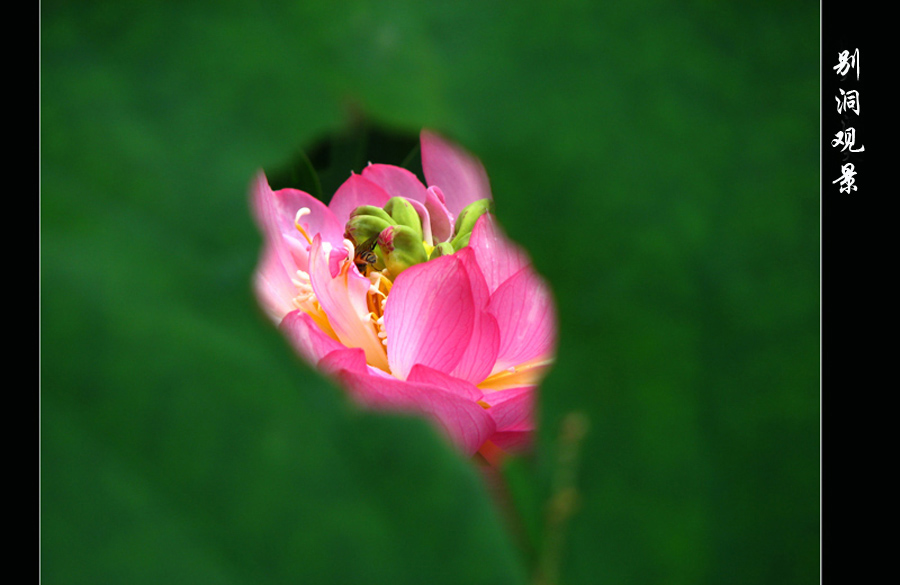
354 192
466 422
428 316
281 251
524 310
285 248
498 257
396 181
460 175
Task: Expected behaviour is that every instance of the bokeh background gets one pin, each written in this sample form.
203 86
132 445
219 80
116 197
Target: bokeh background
659 160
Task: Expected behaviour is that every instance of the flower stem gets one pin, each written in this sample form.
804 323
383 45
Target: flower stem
564 498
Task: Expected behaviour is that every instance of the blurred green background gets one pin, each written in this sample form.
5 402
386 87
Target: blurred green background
659 161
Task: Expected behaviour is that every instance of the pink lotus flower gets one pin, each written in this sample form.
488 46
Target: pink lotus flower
411 297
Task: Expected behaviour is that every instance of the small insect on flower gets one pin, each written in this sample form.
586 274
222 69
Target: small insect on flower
364 254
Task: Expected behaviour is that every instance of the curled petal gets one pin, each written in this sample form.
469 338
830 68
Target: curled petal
425 219
460 175
343 298
466 422
441 220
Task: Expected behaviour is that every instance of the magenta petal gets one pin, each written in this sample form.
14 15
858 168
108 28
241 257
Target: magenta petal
524 310
466 422
513 408
396 181
354 192
460 175
307 338
498 257
428 316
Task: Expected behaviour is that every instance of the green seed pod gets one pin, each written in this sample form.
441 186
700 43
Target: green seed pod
373 211
461 241
362 228
403 213
466 221
442 249
401 247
